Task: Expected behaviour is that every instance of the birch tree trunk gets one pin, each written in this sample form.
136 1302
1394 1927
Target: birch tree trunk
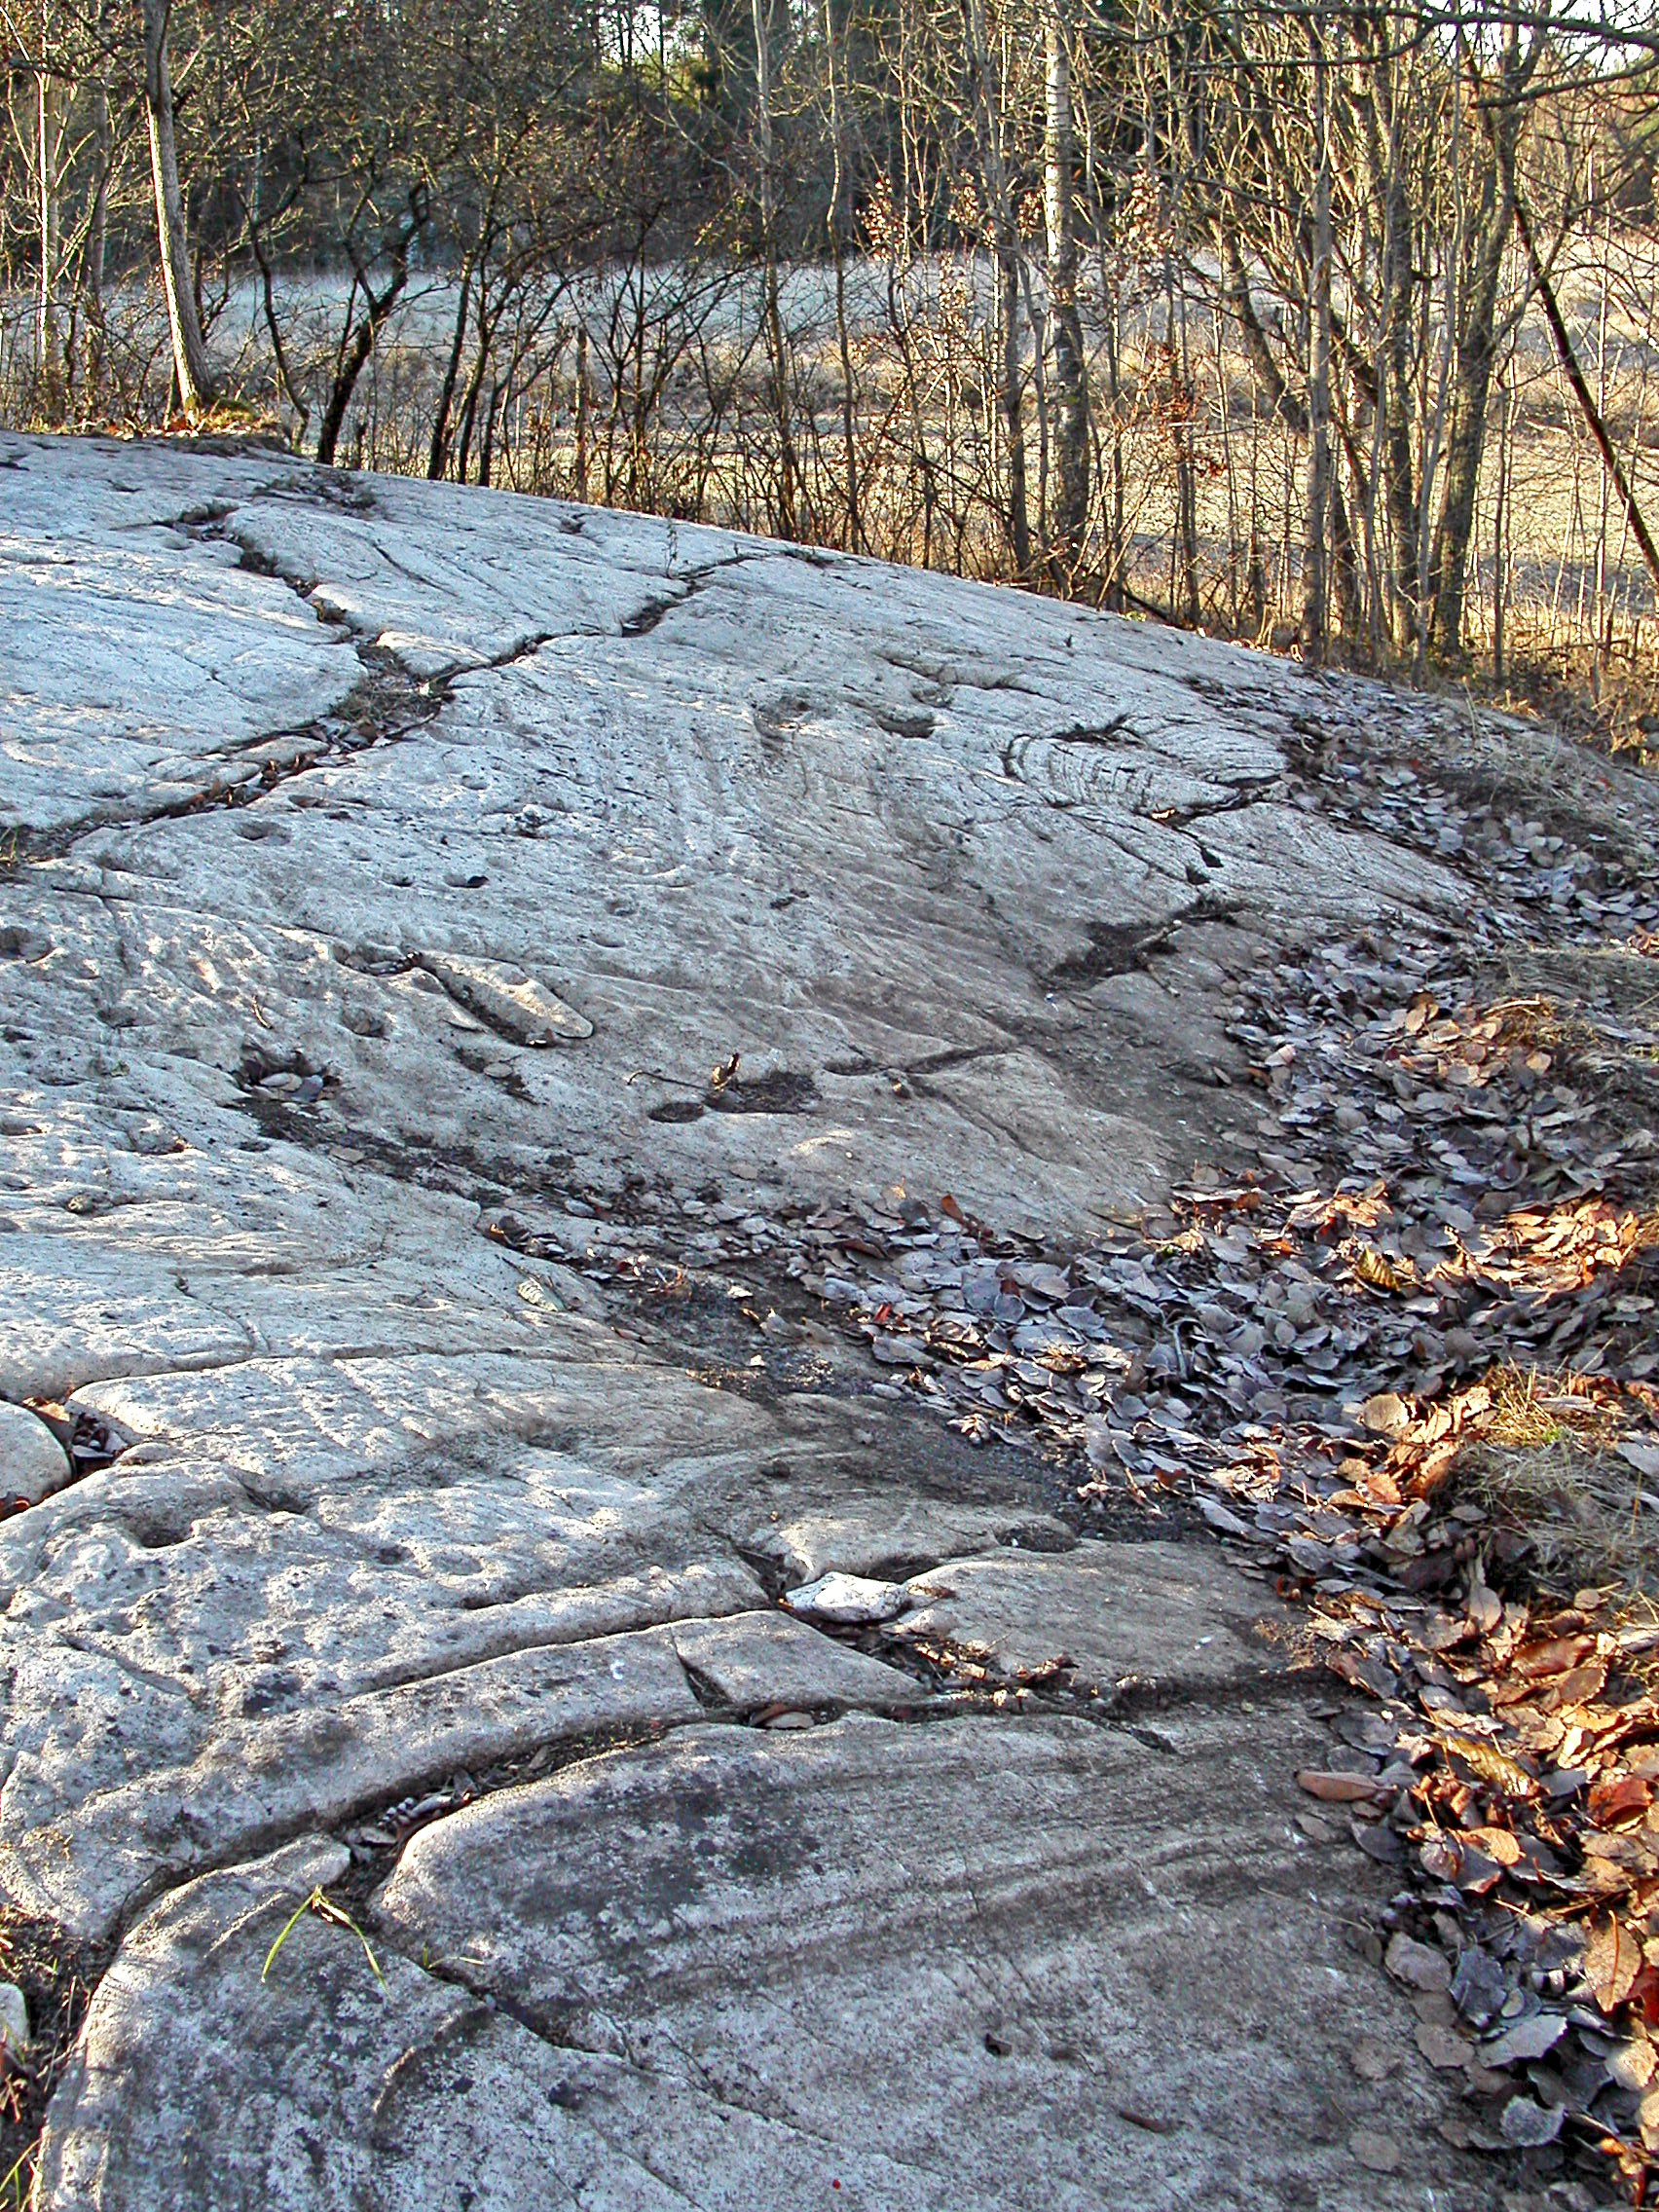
190 352
1314 562
779 359
1071 374
1005 232
48 338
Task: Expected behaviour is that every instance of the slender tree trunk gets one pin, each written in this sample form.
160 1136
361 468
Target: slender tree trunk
837 251
1395 398
1476 342
1014 415
91 278
1587 407
1499 524
1071 374
1235 290
1315 611
49 336
761 11
1005 232
190 372
584 410
437 456
1475 352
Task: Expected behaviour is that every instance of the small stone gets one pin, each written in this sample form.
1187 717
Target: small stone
32 1463
1477 1987
14 2017
850 1601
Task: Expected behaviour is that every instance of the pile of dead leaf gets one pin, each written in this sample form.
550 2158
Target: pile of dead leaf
1508 1774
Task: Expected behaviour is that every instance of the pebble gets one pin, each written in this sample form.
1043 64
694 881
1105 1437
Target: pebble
849 1600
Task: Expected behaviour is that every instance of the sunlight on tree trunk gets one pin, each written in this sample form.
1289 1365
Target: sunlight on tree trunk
1071 373
190 352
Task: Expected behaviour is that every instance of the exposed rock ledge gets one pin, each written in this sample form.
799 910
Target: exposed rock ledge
385 850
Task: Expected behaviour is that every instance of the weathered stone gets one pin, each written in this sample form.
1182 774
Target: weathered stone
1124 1616
939 1964
846 1600
759 1659
32 1463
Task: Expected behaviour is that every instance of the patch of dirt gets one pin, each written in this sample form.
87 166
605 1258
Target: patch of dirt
57 1975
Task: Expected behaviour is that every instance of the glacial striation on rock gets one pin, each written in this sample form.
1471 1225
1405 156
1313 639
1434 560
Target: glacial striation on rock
416 890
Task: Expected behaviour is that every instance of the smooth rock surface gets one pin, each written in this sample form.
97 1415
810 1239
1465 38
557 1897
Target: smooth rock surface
757 1660
1125 1617
418 891
935 1965
32 1463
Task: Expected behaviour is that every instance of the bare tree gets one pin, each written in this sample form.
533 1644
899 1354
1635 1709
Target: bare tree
191 369
1071 372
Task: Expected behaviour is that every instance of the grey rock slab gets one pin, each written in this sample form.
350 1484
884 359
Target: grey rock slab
204 2081
751 1660
1152 1616
940 1964
228 654
822 815
32 1463
255 1780
961 1947
388 1504
62 1331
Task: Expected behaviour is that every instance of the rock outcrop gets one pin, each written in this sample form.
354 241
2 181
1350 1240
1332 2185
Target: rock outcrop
411 890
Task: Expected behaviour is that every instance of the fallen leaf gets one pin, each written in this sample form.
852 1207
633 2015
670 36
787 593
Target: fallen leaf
1493 1765
1443 2048
1338 1789
1528 2126
1484 1607
1611 1800
1633 2064
1385 1413
1374 1268
1416 1965
1528 2039
1537 1661
1377 2154
1612 1960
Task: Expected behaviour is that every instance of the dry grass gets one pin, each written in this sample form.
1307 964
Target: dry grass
1546 1463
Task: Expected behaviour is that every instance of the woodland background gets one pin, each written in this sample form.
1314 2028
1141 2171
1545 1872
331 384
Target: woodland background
1322 327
